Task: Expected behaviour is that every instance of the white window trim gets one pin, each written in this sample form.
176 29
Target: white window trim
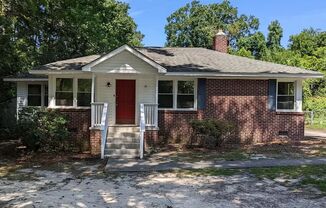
175 94
74 90
42 94
294 96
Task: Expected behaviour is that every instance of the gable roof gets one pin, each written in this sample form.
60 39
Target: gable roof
201 60
88 67
188 61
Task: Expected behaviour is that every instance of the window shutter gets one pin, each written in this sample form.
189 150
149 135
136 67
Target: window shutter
201 94
272 94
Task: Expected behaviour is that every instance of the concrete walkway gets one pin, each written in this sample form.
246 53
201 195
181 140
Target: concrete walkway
123 165
315 133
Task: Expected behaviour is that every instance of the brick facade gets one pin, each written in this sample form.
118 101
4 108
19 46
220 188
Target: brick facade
151 138
95 141
245 103
78 126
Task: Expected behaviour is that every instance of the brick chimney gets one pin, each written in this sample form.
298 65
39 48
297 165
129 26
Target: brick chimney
220 42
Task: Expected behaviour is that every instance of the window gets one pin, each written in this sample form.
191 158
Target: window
64 92
165 94
35 95
177 94
84 92
285 96
185 98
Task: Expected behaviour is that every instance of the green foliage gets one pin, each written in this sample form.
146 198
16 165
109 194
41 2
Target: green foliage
255 43
315 103
215 132
34 32
275 34
195 24
43 130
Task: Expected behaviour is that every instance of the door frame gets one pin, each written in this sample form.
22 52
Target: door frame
136 101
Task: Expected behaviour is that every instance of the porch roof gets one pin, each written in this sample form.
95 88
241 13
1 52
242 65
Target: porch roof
194 62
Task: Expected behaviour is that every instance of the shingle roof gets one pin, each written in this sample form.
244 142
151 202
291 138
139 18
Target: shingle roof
69 64
193 60
26 75
206 60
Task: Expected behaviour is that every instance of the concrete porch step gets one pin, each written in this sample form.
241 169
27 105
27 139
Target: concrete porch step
122 145
123 128
122 140
123 134
123 153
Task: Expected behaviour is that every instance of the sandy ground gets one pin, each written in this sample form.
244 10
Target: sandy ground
38 187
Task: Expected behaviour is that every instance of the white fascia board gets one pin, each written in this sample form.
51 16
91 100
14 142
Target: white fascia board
47 72
244 75
24 80
89 66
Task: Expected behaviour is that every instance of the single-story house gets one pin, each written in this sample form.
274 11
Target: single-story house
135 94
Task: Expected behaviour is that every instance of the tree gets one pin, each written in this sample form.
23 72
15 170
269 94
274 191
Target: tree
34 32
255 44
195 24
307 42
275 34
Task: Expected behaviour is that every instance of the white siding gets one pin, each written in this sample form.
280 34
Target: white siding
145 91
22 93
125 62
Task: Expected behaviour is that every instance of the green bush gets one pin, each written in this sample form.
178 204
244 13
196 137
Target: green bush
314 103
215 132
43 130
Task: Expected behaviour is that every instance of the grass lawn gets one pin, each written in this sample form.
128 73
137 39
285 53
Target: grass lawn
314 175
304 149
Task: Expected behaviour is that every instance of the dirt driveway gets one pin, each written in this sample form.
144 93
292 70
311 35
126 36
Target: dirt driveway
85 185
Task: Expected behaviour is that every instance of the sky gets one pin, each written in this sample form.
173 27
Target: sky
294 15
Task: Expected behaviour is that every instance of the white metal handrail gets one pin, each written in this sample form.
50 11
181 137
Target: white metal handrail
96 114
150 111
104 128
142 130
148 118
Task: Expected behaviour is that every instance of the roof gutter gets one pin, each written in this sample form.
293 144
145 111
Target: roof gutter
245 75
25 80
47 72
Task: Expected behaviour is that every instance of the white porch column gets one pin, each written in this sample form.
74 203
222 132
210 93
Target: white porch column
93 88
51 87
298 96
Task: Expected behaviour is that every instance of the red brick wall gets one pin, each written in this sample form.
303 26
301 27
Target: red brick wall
151 138
95 142
79 123
245 103
174 125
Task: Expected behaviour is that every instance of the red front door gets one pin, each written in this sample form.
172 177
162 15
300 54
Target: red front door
125 101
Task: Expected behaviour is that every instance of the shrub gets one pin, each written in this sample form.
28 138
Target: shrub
314 103
43 130
215 132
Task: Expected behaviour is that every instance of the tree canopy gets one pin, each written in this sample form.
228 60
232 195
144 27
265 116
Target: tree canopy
195 24
34 32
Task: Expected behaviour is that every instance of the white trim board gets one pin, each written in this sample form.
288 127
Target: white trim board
89 66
